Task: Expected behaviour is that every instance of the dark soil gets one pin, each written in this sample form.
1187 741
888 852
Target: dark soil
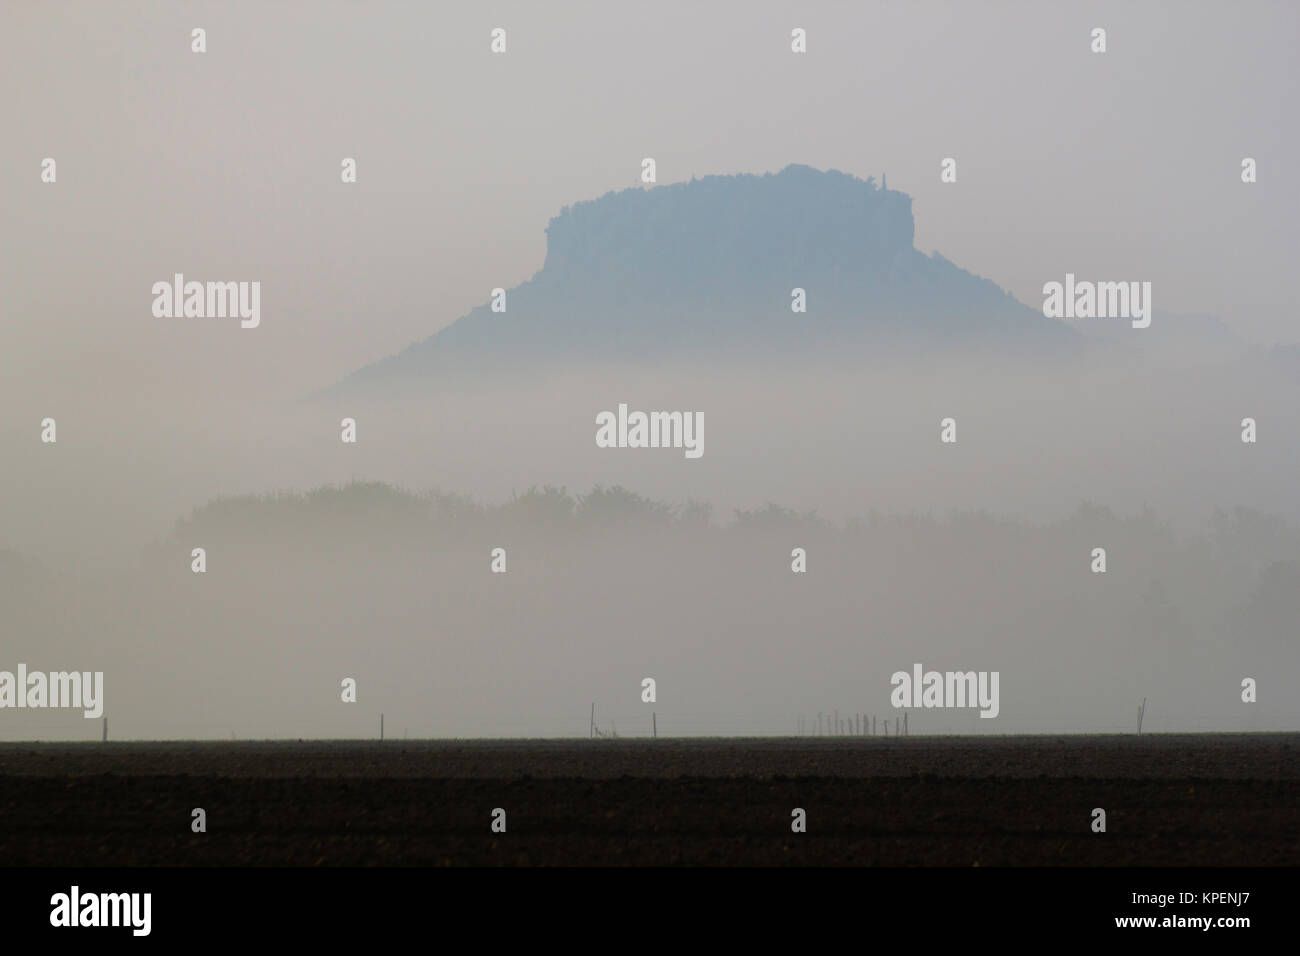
1203 800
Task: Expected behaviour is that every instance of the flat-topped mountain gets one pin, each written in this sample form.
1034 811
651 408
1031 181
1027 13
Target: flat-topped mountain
712 264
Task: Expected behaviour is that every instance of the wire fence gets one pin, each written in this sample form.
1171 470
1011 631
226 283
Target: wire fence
70 726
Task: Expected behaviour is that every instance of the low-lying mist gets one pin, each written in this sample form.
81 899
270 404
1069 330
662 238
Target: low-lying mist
372 560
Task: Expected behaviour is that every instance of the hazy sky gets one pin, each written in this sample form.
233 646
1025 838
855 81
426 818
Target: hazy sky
226 165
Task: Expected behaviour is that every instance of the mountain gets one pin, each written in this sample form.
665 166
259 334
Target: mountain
710 265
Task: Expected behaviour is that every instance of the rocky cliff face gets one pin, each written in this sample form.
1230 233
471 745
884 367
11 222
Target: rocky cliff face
729 236
712 264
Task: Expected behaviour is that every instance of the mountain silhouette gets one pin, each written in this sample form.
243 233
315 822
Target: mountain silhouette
710 265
